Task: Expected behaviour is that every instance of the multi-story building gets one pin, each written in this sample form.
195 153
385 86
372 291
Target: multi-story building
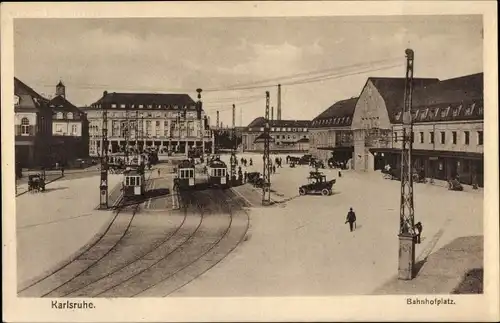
331 134
69 128
374 115
448 119
287 135
33 126
167 122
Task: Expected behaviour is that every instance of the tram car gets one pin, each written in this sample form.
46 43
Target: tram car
134 183
217 174
185 178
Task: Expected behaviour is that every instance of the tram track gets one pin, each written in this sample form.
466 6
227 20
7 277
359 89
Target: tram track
139 265
198 239
86 258
227 243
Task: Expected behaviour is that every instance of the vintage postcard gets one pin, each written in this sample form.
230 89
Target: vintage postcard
250 161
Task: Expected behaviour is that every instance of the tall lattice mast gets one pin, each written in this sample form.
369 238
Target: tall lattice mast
406 205
266 188
233 143
406 213
103 187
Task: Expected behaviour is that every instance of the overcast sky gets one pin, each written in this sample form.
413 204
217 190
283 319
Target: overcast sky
179 55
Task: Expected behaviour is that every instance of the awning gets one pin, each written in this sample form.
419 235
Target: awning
337 148
432 153
263 137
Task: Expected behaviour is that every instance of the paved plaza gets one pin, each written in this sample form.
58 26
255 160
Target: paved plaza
298 246
302 247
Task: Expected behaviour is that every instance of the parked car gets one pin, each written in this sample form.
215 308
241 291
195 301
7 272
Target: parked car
317 183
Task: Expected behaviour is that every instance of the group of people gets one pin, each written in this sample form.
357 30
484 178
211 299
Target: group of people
245 162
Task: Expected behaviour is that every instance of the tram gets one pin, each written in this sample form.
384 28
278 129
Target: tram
217 174
134 183
185 177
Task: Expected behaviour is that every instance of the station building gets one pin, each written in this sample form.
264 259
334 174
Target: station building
448 139
287 136
166 122
331 134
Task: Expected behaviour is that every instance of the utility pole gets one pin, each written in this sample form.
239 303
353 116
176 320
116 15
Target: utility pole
278 116
217 123
104 155
272 113
233 155
136 133
266 188
198 115
406 213
126 132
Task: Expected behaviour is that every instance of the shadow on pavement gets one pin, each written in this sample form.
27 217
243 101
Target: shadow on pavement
456 268
472 282
47 190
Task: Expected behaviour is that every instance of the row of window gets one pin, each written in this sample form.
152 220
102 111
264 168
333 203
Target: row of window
432 113
74 128
277 129
61 115
442 137
147 106
288 136
189 115
332 121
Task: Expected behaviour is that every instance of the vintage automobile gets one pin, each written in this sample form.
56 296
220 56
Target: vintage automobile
395 174
316 163
36 183
255 179
455 185
317 184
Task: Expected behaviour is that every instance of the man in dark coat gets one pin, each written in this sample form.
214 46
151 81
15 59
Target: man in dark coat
351 218
418 232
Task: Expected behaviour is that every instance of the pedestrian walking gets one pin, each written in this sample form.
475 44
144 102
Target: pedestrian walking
274 169
340 174
418 232
62 171
245 176
158 172
351 218
251 162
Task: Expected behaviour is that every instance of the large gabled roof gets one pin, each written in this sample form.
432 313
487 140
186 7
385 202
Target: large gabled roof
156 100
338 115
59 103
261 121
29 99
458 98
392 90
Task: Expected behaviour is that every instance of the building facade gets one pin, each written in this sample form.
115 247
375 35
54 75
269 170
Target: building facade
32 126
373 118
330 131
290 136
136 121
448 138
69 128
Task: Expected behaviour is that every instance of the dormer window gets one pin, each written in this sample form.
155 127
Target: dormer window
59 115
398 116
122 106
414 114
444 112
70 115
424 113
141 106
456 110
150 106
176 107
113 105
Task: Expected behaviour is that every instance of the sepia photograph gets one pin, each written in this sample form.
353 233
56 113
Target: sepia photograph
250 156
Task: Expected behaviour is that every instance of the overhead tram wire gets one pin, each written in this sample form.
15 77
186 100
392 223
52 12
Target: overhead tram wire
236 87
296 75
